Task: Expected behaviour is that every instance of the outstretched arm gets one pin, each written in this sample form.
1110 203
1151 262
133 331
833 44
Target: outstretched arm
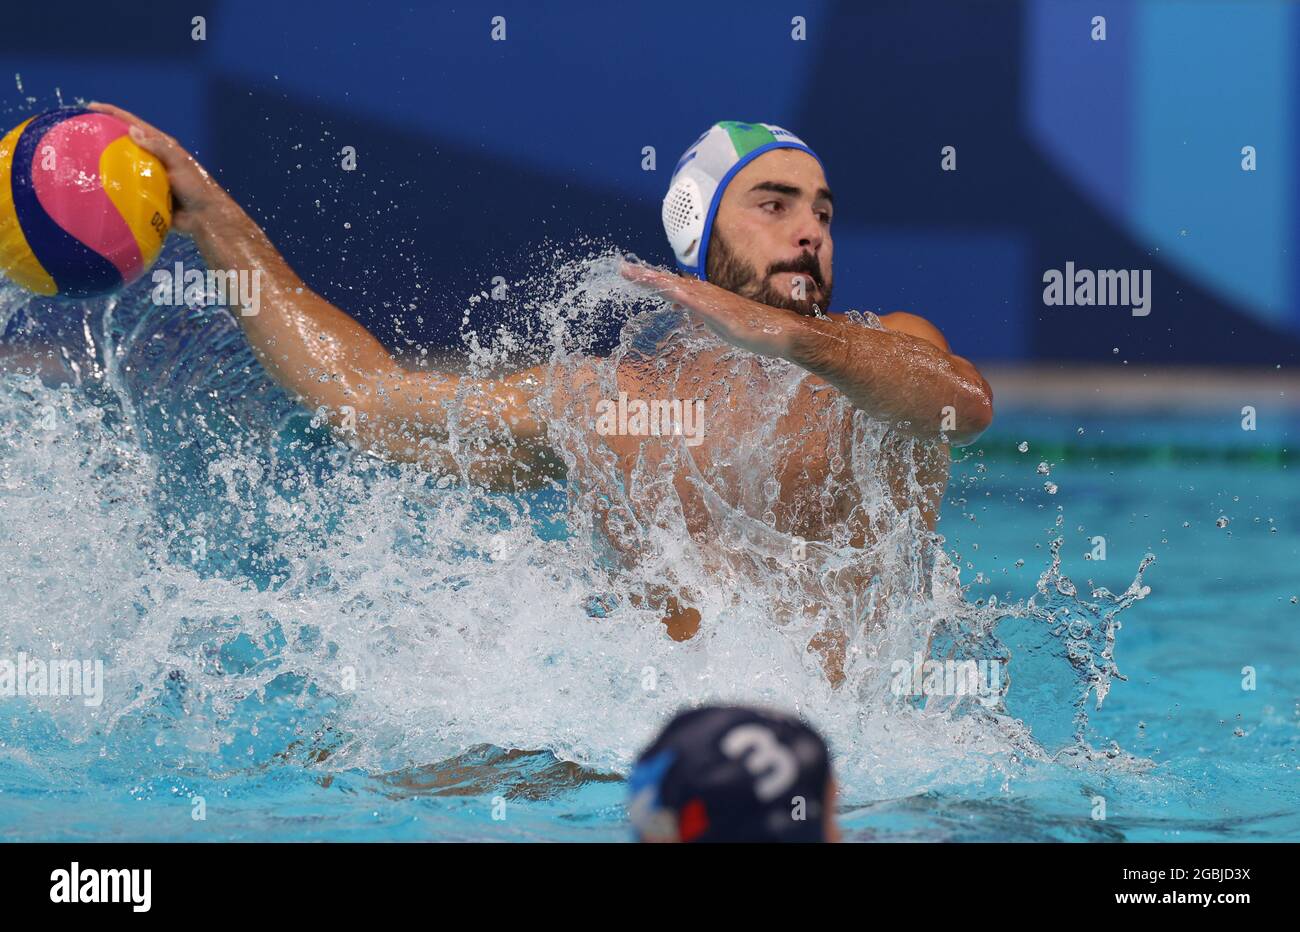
903 375
327 360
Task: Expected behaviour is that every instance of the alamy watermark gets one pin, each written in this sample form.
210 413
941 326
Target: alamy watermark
32 676
636 417
1105 287
182 287
88 885
953 678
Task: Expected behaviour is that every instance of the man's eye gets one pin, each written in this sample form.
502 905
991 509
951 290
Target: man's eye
771 206
826 217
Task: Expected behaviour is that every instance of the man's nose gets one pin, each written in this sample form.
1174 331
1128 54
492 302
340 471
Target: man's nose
809 233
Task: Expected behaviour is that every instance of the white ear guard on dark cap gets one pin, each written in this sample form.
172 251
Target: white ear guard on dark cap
701 177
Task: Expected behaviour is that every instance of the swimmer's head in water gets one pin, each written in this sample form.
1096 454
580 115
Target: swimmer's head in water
734 774
749 210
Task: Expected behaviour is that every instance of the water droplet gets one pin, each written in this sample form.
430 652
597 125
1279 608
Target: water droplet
1023 447
1221 522
1044 469
1050 487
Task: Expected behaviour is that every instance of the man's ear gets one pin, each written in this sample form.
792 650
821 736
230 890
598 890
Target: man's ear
914 326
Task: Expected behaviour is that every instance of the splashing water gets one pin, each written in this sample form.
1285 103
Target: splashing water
263 596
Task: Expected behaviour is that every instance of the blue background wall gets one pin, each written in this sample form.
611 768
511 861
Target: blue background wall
472 153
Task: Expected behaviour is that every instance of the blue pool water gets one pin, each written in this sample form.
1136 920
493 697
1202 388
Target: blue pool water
304 644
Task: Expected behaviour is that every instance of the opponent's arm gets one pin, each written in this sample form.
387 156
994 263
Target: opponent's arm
903 375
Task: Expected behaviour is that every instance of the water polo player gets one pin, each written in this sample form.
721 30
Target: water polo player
793 400
734 774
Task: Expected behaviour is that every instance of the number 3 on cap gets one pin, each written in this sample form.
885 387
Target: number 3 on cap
772 764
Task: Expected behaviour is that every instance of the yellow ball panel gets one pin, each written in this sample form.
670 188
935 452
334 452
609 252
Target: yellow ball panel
16 258
136 183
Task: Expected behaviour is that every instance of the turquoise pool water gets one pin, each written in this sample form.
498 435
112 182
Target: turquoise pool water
171 513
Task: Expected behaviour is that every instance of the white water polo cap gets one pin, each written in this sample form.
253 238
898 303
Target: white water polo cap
701 177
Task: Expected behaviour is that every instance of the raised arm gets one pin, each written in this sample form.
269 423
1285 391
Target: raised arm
903 375
327 360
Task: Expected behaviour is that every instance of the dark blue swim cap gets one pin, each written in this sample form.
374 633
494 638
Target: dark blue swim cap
731 774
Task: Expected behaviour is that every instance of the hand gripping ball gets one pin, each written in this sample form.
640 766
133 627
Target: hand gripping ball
83 209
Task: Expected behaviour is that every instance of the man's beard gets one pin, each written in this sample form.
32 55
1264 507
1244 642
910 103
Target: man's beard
727 270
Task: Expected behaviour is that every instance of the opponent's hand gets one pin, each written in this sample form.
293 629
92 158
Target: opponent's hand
767 331
197 198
